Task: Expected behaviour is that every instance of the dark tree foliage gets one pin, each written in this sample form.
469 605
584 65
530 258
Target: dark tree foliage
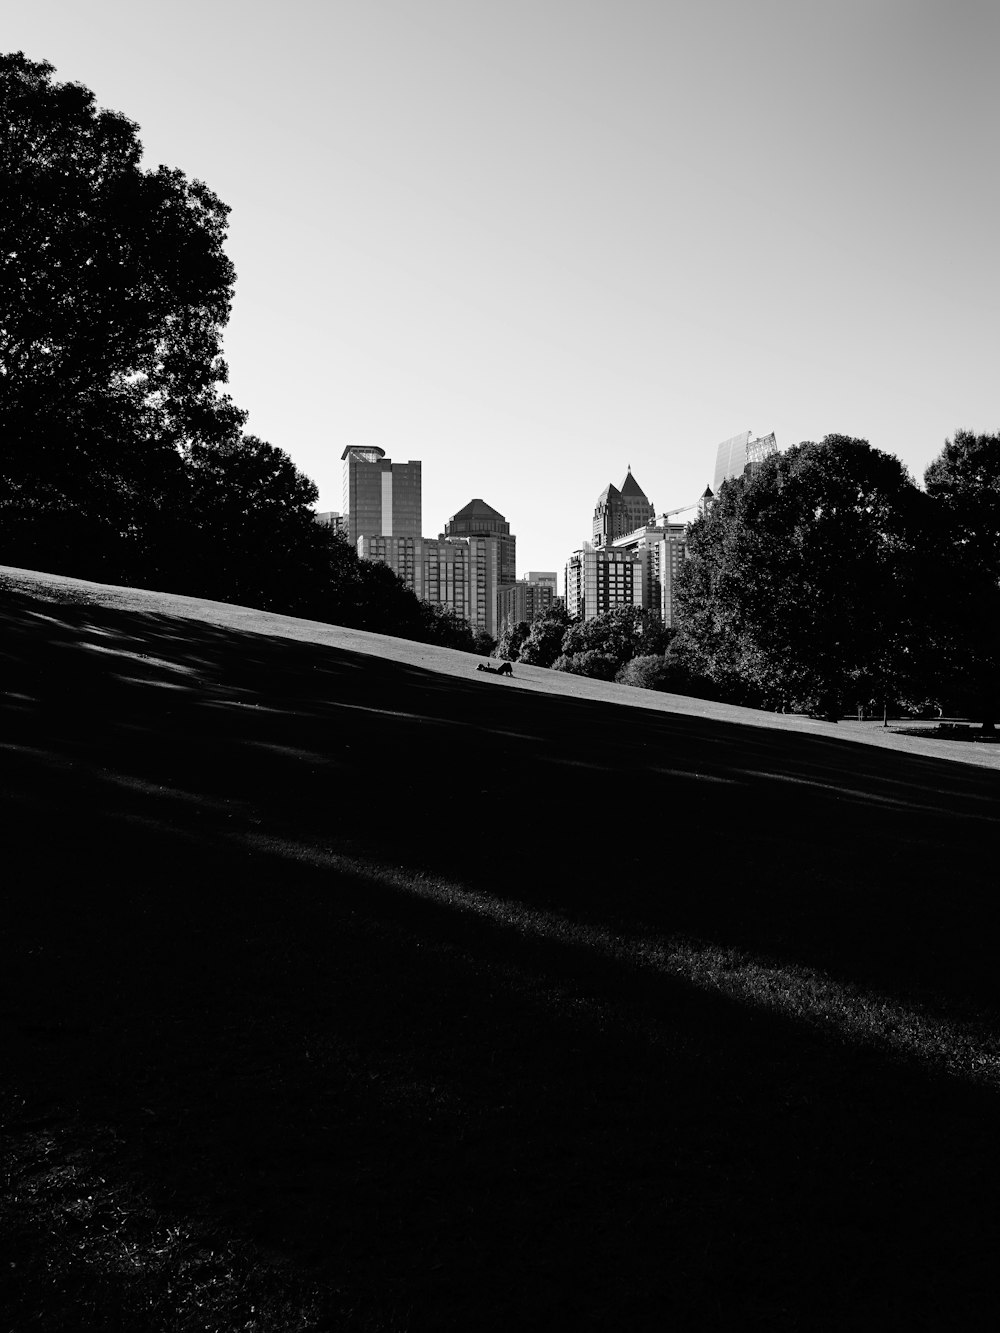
510 640
963 483
803 580
114 289
616 637
648 672
442 625
669 672
247 532
366 594
686 673
483 642
543 642
588 662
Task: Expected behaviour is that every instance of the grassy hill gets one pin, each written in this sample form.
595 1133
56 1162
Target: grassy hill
345 987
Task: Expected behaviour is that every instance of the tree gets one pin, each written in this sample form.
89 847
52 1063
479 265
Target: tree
367 594
590 662
651 671
670 672
248 532
617 635
963 483
510 640
543 643
483 642
802 583
114 290
443 626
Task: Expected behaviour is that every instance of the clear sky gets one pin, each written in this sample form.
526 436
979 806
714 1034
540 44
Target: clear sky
531 242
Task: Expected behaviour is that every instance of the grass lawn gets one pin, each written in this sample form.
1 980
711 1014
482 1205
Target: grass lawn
343 987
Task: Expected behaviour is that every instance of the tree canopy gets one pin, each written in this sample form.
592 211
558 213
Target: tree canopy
963 483
802 579
512 635
964 480
543 642
603 645
246 528
114 290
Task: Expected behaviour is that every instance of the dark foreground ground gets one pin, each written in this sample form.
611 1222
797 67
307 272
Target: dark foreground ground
335 997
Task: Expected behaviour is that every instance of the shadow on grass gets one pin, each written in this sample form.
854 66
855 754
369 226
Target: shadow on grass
497 1126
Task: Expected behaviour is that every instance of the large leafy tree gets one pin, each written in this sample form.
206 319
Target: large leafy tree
442 625
803 579
670 671
963 483
114 290
604 644
588 662
511 639
543 642
245 531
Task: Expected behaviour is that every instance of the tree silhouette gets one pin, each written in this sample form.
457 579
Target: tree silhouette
964 485
605 643
803 582
543 642
114 289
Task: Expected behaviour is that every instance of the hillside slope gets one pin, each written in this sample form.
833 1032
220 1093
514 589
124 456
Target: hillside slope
447 661
350 992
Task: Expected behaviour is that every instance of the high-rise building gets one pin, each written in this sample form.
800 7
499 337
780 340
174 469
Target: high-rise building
665 544
526 598
546 577
485 559
454 572
331 519
435 569
599 578
620 511
381 498
737 455
448 575
462 569
478 519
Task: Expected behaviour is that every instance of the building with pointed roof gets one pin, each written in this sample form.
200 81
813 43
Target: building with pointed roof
478 519
488 534
620 511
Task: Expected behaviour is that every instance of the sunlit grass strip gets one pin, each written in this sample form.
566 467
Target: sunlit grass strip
847 1012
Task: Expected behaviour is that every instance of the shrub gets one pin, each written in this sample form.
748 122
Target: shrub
599 666
649 672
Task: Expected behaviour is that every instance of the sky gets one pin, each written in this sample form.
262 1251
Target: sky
534 243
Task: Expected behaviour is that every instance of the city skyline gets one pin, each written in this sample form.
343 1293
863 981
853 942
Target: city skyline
532 245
